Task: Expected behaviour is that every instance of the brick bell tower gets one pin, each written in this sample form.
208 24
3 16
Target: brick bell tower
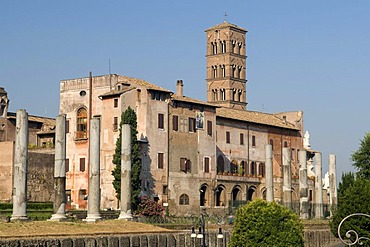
226 66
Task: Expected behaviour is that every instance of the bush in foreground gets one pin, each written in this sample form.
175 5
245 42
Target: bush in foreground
261 223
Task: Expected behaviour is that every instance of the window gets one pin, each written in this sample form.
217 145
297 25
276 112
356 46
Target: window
115 123
82 195
184 199
81 124
261 169
115 103
185 165
67 126
175 123
165 190
82 164
68 197
293 154
209 128
253 141
297 154
206 165
227 137
160 121
272 143
253 169
285 144
192 124
67 165
160 160
241 139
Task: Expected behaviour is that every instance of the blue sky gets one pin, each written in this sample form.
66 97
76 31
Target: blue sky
312 55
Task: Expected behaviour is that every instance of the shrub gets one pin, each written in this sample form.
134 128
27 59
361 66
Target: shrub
261 223
149 207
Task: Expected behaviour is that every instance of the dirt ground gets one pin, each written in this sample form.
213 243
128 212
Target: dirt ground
47 228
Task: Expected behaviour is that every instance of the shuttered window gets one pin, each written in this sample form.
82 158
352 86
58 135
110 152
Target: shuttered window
175 123
209 128
160 121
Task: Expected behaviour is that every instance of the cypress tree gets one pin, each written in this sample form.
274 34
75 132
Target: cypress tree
128 117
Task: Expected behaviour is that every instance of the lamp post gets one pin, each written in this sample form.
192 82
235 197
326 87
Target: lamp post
202 231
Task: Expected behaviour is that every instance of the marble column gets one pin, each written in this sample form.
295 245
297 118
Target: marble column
303 184
93 199
287 178
269 174
20 167
126 173
319 207
332 182
60 170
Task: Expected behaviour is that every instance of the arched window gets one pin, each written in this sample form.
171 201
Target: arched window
253 169
285 144
233 68
223 46
223 94
223 70
220 164
214 71
184 199
214 48
234 94
81 127
233 46
215 98
261 169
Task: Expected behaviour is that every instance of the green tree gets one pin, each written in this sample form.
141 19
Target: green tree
361 158
348 178
128 117
355 199
261 223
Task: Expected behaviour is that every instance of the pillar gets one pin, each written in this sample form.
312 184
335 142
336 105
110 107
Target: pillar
332 182
93 199
318 187
303 184
287 178
60 170
269 174
20 167
126 173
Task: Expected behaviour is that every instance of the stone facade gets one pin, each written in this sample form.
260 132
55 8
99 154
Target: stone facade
194 154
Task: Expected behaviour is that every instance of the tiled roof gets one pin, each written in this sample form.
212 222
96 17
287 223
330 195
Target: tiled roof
225 24
254 117
140 82
48 124
191 100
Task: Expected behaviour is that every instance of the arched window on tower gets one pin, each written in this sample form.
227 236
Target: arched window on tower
223 70
240 92
214 91
223 94
233 43
223 46
239 71
81 128
234 94
233 71
214 48
214 71
240 47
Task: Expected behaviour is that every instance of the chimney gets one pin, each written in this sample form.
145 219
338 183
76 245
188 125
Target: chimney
179 88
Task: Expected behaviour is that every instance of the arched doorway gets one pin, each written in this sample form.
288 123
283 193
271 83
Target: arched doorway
251 195
220 196
203 193
236 196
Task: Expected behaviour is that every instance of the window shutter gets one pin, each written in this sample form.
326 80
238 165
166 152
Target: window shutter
175 123
206 165
209 128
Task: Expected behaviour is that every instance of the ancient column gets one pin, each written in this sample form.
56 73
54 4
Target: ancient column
269 174
287 178
60 170
319 209
20 167
126 173
93 199
332 182
303 184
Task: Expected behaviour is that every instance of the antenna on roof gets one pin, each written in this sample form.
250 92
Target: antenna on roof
225 15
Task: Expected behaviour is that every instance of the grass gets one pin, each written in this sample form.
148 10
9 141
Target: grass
48 228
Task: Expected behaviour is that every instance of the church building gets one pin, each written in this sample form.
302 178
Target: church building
194 154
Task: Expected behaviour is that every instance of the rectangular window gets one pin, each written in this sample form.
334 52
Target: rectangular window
293 154
160 121
185 165
297 154
160 160
206 165
191 124
241 139
253 141
227 137
175 123
165 189
115 104
209 128
115 123
67 126
82 164
67 165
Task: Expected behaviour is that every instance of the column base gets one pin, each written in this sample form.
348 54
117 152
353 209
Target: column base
19 218
125 216
58 217
92 218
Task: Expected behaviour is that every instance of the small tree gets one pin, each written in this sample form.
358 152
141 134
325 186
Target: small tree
355 199
261 223
347 181
361 158
128 117
149 207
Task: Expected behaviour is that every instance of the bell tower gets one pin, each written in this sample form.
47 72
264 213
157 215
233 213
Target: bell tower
226 66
